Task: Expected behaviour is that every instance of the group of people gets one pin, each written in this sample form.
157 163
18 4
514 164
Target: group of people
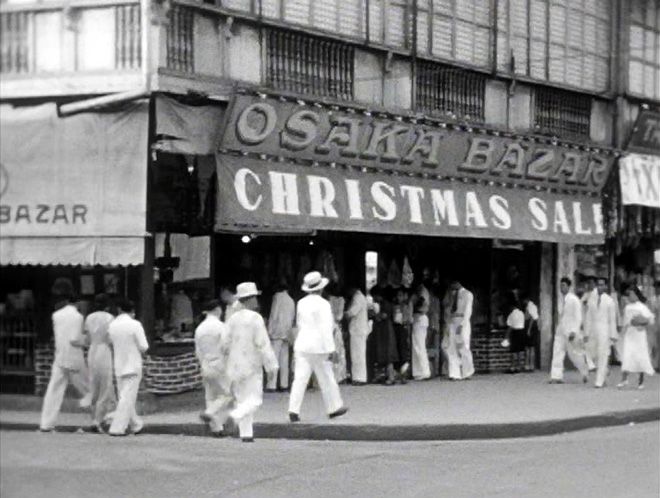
588 329
116 344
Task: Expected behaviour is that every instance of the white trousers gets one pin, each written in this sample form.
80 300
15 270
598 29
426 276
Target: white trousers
60 378
459 356
248 393
125 416
281 350
420 357
306 364
576 354
358 358
601 349
102 390
216 396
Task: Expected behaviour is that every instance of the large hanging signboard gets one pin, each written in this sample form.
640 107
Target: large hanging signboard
259 194
639 177
408 144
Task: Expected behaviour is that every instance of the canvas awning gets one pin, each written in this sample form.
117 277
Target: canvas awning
73 189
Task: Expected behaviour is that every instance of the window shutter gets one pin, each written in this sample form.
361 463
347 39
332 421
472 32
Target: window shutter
324 14
242 5
376 20
297 11
351 20
395 34
442 37
271 8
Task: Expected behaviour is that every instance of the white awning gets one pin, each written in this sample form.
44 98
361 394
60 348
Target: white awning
85 251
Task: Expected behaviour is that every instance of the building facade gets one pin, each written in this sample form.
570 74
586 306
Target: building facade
391 106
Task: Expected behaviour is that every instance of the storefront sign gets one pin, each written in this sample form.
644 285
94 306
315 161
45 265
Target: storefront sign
645 136
319 133
639 177
281 196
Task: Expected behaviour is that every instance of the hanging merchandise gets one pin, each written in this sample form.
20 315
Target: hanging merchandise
407 275
381 268
394 274
246 261
305 266
329 269
267 271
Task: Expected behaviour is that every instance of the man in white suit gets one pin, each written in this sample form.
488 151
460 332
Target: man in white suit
588 300
248 352
313 348
458 305
129 343
69 364
568 337
208 337
358 329
601 332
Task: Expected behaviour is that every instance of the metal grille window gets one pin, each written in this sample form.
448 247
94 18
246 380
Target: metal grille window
450 90
16 27
563 41
644 73
306 64
180 51
562 113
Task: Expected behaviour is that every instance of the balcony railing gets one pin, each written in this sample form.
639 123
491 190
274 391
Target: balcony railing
42 40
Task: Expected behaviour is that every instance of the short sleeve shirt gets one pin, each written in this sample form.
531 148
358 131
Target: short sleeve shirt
516 320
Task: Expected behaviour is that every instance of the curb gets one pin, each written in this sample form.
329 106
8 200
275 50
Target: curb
373 432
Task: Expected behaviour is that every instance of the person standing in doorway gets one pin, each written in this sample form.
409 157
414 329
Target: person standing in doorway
129 343
402 321
337 304
358 328
281 321
247 348
568 336
208 337
99 361
516 336
313 348
69 363
602 331
421 369
636 356
531 332
458 305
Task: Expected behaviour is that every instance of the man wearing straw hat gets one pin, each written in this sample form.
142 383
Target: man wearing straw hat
208 337
313 349
247 349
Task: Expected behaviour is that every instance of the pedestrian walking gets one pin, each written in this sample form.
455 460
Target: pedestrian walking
588 300
568 335
129 343
458 305
602 330
248 351
313 349
208 338
281 321
421 369
636 355
358 328
99 361
69 362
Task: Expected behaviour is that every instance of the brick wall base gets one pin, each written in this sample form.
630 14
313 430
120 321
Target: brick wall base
488 353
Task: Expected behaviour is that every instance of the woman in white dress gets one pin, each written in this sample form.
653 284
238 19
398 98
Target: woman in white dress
636 356
421 369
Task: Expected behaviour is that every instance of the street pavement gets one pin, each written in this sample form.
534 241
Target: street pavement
600 463
485 406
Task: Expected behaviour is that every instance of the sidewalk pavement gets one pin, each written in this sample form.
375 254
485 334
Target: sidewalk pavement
485 407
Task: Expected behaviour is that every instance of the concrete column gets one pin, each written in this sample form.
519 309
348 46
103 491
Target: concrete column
398 85
497 94
244 54
546 304
368 85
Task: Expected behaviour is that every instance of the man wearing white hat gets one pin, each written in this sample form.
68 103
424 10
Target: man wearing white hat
247 349
313 349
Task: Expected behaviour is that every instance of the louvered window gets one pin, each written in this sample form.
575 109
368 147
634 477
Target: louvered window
307 64
16 27
457 30
644 74
564 41
443 89
180 50
562 113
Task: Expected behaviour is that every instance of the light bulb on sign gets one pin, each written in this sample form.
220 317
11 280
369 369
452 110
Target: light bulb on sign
245 239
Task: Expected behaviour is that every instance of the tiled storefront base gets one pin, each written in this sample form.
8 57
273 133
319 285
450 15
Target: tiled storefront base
489 355
162 375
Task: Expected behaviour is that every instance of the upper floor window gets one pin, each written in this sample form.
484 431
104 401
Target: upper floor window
644 31
448 89
180 42
562 113
563 41
457 30
103 38
307 64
